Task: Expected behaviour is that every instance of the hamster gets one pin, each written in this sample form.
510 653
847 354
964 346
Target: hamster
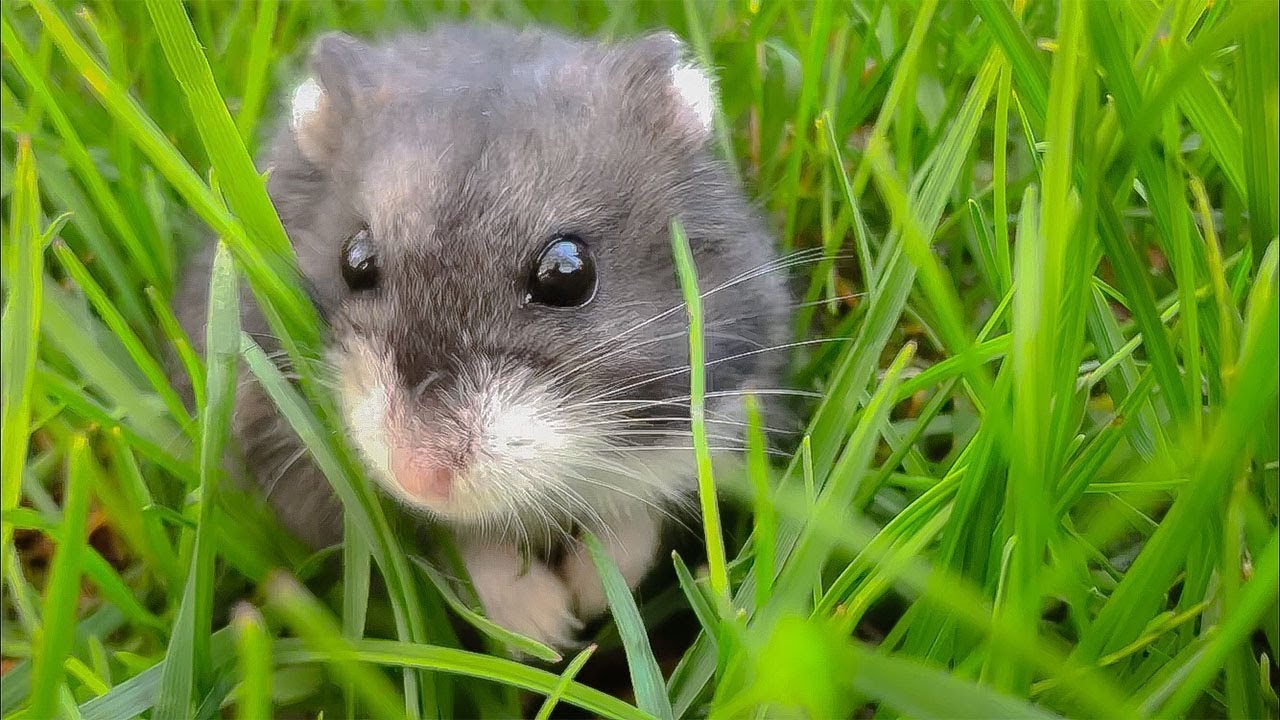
483 216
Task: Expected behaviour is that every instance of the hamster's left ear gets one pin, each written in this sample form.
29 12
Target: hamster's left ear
325 103
660 67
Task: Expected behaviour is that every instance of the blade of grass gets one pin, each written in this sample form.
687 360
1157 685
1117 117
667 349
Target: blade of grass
1000 182
566 677
188 660
811 552
291 602
21 331
255 71
261 252
1020 54
483 624
253 646
135 494
355 591
93 567
1174 697
62 593
1256 75
816 46
191 362
897 683
354 492
1228 320
698 601
78 402
766 524
150 367
1042 255
1252 392
646 676
836 415
100 362
461 662
77 155
688 275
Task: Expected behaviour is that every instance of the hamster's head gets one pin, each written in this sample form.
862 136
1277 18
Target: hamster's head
485 216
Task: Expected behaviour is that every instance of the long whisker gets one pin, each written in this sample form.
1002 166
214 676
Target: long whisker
680 371
783 263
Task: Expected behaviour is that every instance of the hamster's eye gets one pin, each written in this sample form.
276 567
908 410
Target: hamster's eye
359 262
564 274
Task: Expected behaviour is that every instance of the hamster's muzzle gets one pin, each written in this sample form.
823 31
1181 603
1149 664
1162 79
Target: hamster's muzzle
473 446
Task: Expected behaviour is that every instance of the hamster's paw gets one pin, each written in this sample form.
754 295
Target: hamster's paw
583 582
536 604
632 543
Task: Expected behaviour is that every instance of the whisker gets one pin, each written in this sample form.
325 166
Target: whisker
783 263
680 371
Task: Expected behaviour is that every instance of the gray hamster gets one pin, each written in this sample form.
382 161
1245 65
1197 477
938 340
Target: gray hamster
483 215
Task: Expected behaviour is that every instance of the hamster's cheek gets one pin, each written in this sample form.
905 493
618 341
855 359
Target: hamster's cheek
364 378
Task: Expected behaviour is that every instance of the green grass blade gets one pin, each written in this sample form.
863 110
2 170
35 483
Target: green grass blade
566 677
356 495
58 612
318 630
766 523
897 683
1040 269
1252 392
1257 78
1174 698
256 72
483 624
1028 70
253 646
173 332
150 367
1228 319
461 662
698 600
21 325
355 591
266 270
188 661
75 151
812 550
94 568
688 275
646 676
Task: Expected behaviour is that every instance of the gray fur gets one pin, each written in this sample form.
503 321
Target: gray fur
465 149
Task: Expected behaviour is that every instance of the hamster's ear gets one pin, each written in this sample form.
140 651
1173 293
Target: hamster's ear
323 103
661 67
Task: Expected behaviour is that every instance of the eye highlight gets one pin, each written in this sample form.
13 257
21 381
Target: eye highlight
564 274
360 261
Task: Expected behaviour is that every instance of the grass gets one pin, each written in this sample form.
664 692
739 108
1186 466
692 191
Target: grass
1039 475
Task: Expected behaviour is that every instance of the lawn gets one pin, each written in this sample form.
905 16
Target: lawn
1038 472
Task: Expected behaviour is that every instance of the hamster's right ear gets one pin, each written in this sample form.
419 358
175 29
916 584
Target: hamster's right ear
323 103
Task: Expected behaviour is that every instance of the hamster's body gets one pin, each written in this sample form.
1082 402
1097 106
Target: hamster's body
484 215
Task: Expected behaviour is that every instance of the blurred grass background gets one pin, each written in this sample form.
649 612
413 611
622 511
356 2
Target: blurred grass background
1039 475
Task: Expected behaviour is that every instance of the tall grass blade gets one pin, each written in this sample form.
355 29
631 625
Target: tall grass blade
188 661
20 332
62 592
688 275
253 646
646 676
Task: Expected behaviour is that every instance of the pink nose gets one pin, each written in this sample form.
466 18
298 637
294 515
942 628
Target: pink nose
419 475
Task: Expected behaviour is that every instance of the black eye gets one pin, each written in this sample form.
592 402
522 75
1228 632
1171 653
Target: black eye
564 275
359 262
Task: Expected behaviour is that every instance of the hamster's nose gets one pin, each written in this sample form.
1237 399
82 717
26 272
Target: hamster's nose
421 476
